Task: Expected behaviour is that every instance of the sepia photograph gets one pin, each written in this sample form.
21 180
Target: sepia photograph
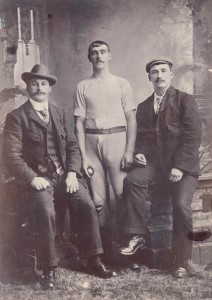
107 197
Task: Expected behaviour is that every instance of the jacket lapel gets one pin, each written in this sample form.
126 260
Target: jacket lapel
169 95
32 114
55 118
150 112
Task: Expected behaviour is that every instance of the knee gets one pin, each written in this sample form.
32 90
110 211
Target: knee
44 204
127 181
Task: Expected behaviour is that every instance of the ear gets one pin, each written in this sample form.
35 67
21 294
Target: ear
110 55
149 77
172 75
89 58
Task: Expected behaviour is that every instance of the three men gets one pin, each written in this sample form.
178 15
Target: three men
106 129
166 155
41 152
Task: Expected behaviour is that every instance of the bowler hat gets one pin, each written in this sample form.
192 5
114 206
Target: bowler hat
157 61
41 72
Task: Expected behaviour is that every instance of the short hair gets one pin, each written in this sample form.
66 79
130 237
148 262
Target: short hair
97 44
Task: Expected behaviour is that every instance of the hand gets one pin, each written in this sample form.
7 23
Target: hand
85 165
40 183
140 160
126 160
72 184
175 175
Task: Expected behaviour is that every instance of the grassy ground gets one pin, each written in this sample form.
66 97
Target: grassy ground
148 284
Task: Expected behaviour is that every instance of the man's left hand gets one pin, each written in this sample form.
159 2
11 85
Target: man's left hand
175 175
72 184
127 160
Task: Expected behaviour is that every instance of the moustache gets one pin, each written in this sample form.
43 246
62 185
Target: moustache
159 80
39 93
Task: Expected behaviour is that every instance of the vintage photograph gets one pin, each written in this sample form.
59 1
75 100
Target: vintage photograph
106 149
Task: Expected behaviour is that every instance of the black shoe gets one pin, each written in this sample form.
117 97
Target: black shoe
96 267
200 235
135 267
185 269
137 242
47 280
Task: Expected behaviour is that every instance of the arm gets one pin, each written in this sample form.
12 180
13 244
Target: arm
127 158
13 150
80 132
13 155
73 158
186 155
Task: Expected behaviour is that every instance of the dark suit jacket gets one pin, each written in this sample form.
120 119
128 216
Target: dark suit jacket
178 131
25 142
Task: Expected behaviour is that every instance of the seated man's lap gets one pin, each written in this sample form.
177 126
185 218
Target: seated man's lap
144 176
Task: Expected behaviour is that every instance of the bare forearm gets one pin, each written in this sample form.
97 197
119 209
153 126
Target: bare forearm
131 132
80 133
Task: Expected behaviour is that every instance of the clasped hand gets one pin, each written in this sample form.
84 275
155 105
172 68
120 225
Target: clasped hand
127 160
175 175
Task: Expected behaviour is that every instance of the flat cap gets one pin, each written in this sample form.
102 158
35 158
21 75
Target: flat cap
157 61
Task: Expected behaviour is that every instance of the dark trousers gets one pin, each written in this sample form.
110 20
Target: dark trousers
181 193
42 211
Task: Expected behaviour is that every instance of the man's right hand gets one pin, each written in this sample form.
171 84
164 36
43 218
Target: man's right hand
86 164
40 183
139 160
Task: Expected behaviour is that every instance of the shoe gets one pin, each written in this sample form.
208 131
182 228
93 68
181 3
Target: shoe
185 270
96 267
199 235
135 267
137 242
47 280
192 272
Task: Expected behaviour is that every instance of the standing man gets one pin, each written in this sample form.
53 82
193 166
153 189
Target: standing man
41 152
168 139
106 129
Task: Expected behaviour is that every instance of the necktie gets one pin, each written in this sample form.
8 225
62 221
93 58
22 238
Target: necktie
45 115
158 100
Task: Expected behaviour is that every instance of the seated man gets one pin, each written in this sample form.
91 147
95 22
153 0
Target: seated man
41 152
168 139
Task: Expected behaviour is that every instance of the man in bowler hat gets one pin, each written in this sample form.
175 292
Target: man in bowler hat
166 155
41 152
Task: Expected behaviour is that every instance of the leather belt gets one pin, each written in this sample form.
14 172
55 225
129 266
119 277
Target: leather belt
105 131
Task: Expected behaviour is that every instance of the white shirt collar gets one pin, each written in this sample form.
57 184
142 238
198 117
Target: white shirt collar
158 97
38 106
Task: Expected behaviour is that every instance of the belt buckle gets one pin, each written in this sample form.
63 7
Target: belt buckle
106 131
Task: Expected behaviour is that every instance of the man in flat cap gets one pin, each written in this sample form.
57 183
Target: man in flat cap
41 152
166 155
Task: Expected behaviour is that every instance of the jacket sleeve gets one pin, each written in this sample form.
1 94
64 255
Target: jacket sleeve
73 157
141 144
12 151
187 152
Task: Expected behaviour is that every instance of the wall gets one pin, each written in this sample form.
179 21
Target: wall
136 30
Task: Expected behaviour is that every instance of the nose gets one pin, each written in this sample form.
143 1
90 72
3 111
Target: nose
159 73
39 86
